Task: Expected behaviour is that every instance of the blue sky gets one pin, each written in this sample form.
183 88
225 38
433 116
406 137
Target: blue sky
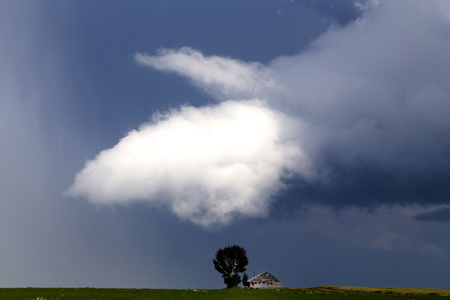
139 137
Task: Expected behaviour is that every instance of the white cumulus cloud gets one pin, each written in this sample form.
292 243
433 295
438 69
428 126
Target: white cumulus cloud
209 164
221 76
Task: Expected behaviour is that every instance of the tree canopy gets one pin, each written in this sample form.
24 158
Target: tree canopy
231 261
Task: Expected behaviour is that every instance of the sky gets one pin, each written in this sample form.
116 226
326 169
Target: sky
139 137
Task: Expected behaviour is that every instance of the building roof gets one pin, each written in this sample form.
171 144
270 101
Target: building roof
264 277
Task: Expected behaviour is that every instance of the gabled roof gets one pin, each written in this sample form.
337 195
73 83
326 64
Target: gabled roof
264 277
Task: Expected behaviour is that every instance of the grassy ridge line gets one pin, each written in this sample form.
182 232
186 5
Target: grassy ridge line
388 290
319 293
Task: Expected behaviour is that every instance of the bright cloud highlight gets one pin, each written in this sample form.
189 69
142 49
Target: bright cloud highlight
207 164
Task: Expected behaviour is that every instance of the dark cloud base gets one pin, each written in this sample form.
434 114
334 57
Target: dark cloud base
368 187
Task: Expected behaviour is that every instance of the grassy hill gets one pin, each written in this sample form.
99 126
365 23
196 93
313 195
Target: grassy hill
321 293
389 290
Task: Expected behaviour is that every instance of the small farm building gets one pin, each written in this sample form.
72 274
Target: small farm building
265 280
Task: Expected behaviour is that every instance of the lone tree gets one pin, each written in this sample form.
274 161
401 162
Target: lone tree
229 262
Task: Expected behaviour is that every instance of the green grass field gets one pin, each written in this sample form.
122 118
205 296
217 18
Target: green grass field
321 293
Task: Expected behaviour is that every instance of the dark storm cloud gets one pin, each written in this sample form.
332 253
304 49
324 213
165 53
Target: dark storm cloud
376 96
